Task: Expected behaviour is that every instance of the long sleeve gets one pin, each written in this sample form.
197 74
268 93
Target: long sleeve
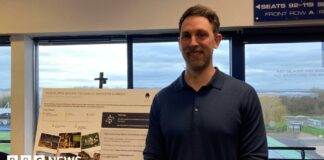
253 141
154 140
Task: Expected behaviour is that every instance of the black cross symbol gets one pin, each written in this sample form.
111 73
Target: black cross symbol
101 79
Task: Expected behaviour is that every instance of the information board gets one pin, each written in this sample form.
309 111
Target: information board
283 10
93 123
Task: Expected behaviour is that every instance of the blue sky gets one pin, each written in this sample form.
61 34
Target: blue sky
268 66
285 66
4 67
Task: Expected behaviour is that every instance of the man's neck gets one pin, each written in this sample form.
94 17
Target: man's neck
197 79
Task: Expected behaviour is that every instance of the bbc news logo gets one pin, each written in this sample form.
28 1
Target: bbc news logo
40 157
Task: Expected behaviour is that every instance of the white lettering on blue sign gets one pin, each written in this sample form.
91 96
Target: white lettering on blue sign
320 4
297 13
293 5
321 11
271 6
266 10
274 14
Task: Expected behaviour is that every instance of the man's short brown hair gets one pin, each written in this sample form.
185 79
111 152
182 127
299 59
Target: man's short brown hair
203 11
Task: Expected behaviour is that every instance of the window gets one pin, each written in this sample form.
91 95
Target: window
287 74
5 110
289 78
76 66
221 57
157 64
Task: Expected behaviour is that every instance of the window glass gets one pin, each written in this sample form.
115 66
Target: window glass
221 57
76 66
157 64
289 78
5 110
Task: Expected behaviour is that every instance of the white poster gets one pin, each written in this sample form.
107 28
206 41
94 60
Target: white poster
93 123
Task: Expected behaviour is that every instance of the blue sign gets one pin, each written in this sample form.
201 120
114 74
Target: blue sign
282 10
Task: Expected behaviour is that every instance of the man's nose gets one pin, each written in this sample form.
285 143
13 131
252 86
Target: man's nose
193 41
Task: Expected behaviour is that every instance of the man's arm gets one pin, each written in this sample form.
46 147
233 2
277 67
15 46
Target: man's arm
253 140
154 140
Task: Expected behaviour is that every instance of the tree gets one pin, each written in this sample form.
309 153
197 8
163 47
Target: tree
310 105
4 99
274 111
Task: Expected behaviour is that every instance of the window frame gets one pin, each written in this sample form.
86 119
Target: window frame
5 41
300 34
238 38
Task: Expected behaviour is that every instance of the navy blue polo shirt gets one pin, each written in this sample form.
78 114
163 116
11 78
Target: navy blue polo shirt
223 120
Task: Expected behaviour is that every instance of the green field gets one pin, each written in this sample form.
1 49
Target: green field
5 147
314 131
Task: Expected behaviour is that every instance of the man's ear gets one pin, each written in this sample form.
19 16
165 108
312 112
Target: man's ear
179 45
217 39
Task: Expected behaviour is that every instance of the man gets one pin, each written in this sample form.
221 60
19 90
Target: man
204 114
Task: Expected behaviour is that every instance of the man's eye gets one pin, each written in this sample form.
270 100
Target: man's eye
202 35
186 36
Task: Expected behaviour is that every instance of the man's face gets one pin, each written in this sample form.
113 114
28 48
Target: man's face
197 42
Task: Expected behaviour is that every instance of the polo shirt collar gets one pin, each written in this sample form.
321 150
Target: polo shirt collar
216 81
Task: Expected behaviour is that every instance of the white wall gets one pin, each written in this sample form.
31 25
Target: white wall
91 16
